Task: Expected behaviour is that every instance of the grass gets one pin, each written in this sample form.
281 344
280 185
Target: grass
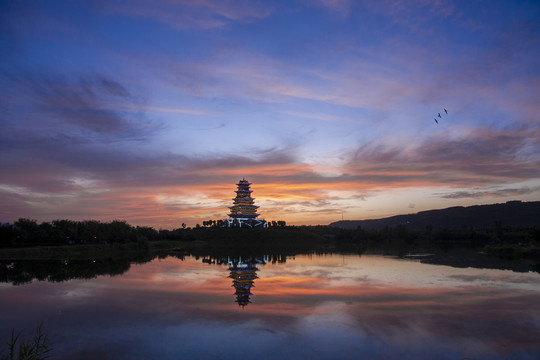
37 349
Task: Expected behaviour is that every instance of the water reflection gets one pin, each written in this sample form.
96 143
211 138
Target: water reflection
326 307
243 271
20 272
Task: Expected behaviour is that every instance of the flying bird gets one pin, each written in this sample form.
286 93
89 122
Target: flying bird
440 115
435 120
446 111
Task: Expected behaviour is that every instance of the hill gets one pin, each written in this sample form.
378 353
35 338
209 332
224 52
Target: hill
511 213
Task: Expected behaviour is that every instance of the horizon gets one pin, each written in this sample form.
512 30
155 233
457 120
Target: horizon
270 220
150 112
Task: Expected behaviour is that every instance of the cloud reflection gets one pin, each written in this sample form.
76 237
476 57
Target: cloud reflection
326 307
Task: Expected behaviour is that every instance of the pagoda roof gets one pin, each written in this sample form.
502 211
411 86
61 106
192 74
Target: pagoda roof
243 216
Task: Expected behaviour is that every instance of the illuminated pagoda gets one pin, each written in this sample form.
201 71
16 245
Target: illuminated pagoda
244 212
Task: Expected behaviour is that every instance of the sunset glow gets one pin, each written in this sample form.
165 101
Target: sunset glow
151 112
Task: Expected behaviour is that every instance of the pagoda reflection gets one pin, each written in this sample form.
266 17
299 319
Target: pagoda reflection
243 272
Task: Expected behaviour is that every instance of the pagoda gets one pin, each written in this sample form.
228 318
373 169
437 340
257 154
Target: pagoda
243 213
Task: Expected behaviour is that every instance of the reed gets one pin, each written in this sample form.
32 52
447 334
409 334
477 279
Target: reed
36 349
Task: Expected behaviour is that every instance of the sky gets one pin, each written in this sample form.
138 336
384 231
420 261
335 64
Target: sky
151 111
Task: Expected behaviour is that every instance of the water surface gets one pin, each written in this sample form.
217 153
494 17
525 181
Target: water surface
318 307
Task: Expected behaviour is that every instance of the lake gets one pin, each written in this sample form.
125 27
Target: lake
331 306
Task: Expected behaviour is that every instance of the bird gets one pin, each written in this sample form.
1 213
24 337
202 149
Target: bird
440 115
446 111
435 120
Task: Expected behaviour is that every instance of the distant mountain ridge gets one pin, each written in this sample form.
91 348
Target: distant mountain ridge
511 213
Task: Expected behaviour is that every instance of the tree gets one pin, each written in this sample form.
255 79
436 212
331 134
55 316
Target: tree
25 231
6 234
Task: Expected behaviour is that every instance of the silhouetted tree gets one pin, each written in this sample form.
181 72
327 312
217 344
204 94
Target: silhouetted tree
6 235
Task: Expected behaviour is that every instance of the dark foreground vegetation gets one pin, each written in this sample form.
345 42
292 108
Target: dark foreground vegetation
25 232
60 236
65 249
38 348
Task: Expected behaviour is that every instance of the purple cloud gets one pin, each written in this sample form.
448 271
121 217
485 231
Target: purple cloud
484 154
199 14
491 193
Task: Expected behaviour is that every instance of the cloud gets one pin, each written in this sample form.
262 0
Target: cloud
186 14
103 84
60 105
58 129
483 156
508 192
413 15
497 153
340 7
138 107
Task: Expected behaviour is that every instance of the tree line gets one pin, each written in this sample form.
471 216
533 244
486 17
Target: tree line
27 232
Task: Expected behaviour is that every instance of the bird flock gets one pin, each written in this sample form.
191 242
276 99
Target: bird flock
439 115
